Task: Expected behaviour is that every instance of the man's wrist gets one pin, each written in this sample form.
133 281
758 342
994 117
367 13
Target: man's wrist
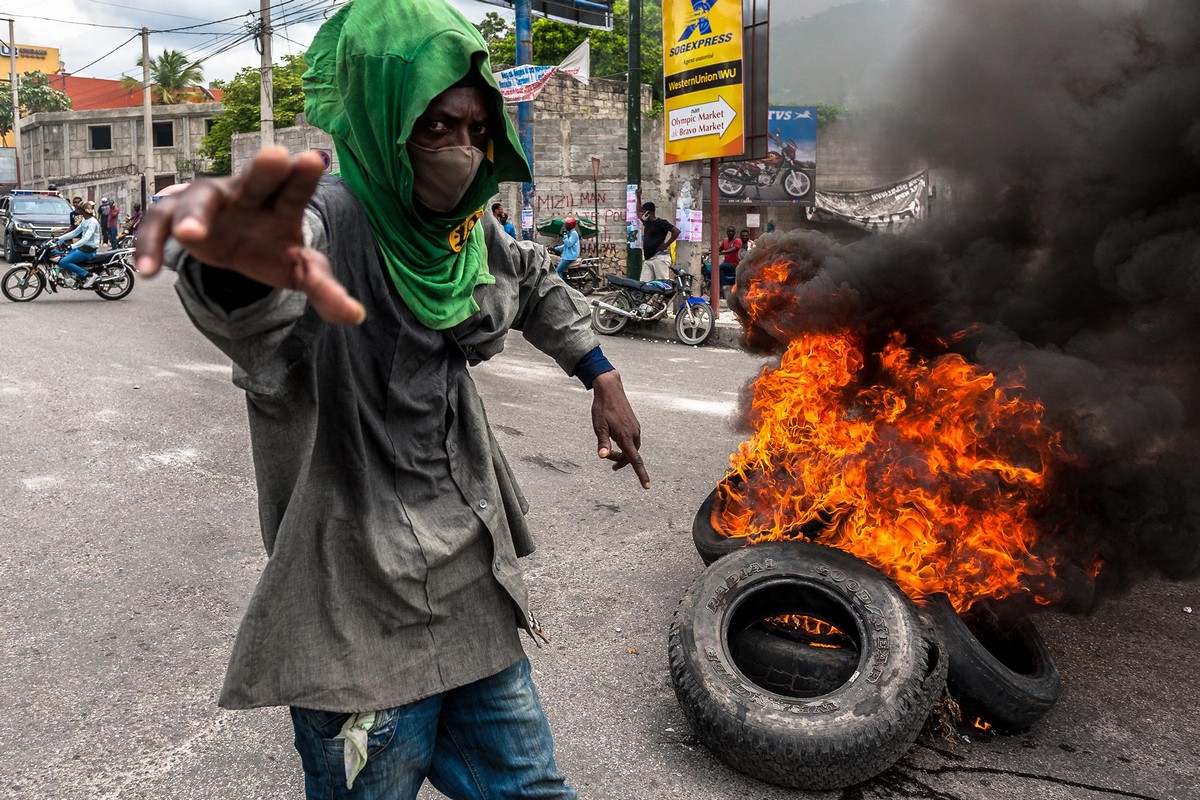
592 367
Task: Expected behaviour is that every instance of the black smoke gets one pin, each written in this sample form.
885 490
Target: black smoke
1071 132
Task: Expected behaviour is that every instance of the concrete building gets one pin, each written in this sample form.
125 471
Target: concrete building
98 153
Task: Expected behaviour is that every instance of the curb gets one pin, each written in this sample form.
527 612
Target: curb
727 334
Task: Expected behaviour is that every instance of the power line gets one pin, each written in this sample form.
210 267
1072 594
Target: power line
109 53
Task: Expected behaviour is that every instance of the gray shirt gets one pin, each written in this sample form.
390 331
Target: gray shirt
391 519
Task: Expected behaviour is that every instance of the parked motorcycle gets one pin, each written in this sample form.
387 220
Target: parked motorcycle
635 301
735 176
25 281
583 274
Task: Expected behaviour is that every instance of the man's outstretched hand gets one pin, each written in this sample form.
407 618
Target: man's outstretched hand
251 224
614 420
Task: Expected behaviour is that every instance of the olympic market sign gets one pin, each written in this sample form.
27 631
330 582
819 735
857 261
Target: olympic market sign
704 73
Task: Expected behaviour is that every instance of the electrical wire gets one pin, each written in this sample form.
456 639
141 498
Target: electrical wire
110 52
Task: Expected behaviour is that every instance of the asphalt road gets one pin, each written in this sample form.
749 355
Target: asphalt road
129 547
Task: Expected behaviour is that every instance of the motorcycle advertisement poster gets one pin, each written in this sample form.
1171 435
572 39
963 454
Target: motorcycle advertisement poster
788 175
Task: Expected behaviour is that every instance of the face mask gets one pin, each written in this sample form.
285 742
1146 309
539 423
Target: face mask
441 177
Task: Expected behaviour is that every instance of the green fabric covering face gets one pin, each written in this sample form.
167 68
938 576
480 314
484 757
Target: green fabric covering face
373 68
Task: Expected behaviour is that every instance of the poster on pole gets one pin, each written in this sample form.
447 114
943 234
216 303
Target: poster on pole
703 79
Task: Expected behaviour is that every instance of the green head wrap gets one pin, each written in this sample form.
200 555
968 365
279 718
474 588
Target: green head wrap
373 69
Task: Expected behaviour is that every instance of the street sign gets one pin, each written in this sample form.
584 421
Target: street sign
584 13
703 69
706 119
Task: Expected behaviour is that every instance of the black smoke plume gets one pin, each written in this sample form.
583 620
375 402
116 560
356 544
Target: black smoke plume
1072 132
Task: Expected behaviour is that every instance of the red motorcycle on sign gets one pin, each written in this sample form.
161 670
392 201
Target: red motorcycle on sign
735 176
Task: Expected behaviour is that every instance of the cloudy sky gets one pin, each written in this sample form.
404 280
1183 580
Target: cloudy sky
85 31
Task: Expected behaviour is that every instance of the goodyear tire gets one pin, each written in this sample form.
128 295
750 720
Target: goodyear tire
1005 675
844 736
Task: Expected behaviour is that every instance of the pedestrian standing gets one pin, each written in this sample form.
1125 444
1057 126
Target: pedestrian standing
102 218
508 226
386 616
114 219
657 237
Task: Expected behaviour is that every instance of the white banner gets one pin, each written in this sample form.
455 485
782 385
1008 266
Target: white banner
888 208
522 84
578 63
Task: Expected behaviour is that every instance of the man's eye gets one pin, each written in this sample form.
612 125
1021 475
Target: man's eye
478 130
436 126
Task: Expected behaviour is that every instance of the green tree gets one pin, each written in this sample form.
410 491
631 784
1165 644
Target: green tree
242 108
35 94
552 41
496 31
174 78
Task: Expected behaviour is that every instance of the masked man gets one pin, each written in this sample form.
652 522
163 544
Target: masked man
387 615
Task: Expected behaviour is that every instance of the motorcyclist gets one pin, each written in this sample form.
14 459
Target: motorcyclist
569 249
88 231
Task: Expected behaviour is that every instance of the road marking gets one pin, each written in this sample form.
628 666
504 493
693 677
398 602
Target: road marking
39 482
716 408
168 458
223 369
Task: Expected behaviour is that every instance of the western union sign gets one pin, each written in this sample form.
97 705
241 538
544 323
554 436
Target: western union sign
702 65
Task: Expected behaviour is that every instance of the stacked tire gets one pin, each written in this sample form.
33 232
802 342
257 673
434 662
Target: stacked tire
833 708
794 714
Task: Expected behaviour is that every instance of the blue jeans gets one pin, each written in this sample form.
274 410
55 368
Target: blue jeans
70 262
486 740
562 267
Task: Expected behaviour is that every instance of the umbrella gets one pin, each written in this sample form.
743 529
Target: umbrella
554 227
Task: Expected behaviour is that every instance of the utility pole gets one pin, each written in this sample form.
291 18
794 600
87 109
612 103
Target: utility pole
266 119
633 149
524 35
16 117
147 121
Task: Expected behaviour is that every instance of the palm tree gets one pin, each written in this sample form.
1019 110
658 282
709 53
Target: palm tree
174 78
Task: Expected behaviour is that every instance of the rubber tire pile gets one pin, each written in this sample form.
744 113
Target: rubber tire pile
832 707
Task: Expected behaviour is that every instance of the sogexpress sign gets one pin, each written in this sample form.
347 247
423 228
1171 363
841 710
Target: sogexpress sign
702 64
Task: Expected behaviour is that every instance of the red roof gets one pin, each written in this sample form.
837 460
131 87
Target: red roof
97 93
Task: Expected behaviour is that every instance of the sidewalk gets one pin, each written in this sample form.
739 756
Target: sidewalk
728 333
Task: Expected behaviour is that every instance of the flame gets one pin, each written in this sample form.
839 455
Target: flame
931 470
981 724
830 636
803 623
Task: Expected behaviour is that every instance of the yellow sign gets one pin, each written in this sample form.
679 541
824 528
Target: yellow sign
702 65
30 57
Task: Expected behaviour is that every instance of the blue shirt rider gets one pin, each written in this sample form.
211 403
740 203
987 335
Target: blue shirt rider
88 231
569 247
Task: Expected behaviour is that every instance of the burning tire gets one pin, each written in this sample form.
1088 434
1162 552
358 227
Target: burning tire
789 667
1003 675
710 544
851 730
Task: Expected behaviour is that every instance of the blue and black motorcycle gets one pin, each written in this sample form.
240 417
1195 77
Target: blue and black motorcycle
634 301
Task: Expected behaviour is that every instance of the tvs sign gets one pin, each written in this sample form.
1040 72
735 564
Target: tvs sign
702 64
